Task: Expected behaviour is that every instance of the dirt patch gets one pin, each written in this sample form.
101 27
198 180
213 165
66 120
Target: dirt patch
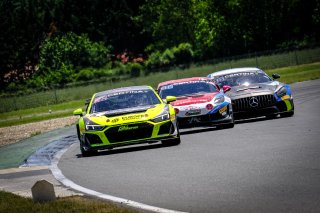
13 134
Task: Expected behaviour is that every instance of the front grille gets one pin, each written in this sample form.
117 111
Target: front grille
93 139
196 120
253 102
166 128
129 132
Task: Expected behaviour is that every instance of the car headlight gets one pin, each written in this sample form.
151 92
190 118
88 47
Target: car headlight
92 126
163 116
219 99
281 92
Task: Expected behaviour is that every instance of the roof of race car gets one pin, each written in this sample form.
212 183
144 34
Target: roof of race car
234 70
182 80
122 89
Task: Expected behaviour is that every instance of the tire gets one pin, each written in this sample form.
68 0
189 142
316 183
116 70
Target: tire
171 142
226 126
78 132
85 153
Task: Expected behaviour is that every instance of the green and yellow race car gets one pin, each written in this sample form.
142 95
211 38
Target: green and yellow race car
126 116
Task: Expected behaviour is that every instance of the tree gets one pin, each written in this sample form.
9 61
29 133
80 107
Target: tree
169 22
223 28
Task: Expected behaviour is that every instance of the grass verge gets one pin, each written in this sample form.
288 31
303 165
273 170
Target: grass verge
39 113
11 203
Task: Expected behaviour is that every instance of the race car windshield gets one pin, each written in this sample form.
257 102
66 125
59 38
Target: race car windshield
243 78
124 100
187 89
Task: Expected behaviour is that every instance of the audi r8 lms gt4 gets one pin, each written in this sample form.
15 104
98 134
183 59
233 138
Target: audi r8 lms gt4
254 93
199 102
126 116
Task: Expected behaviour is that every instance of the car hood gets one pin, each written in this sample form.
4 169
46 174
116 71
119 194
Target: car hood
129 115
253 89
194 99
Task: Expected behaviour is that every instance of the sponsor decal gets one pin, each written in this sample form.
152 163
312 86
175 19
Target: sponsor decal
194 100
170 86
285 97
118 93
115 120
126 128
223 109
193 112
132 117
127 92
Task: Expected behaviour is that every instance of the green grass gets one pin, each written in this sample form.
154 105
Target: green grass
298 73
11 203
39 113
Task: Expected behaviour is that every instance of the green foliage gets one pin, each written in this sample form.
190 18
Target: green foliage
22 24
153 62
85 74
88 74
213 28
224 28
62 55
168 22
167 58
135 69
120 69
181 54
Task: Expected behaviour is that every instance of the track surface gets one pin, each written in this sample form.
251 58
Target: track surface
258 166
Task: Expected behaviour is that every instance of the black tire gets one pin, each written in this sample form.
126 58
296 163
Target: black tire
171 142
85 153
287 114
225 126
228 125
78 132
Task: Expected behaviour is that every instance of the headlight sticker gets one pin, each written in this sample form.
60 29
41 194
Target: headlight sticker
285 97
223 109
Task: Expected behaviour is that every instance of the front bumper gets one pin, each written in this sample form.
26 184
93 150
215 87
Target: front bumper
125 135
216 118
268 105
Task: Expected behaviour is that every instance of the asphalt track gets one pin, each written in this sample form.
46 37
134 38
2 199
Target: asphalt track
258 166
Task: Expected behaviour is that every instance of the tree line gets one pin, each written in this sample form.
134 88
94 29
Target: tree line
64 40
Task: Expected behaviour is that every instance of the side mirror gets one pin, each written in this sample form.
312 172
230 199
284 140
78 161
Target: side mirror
88 101
275 76
78 112
226 88
170 99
